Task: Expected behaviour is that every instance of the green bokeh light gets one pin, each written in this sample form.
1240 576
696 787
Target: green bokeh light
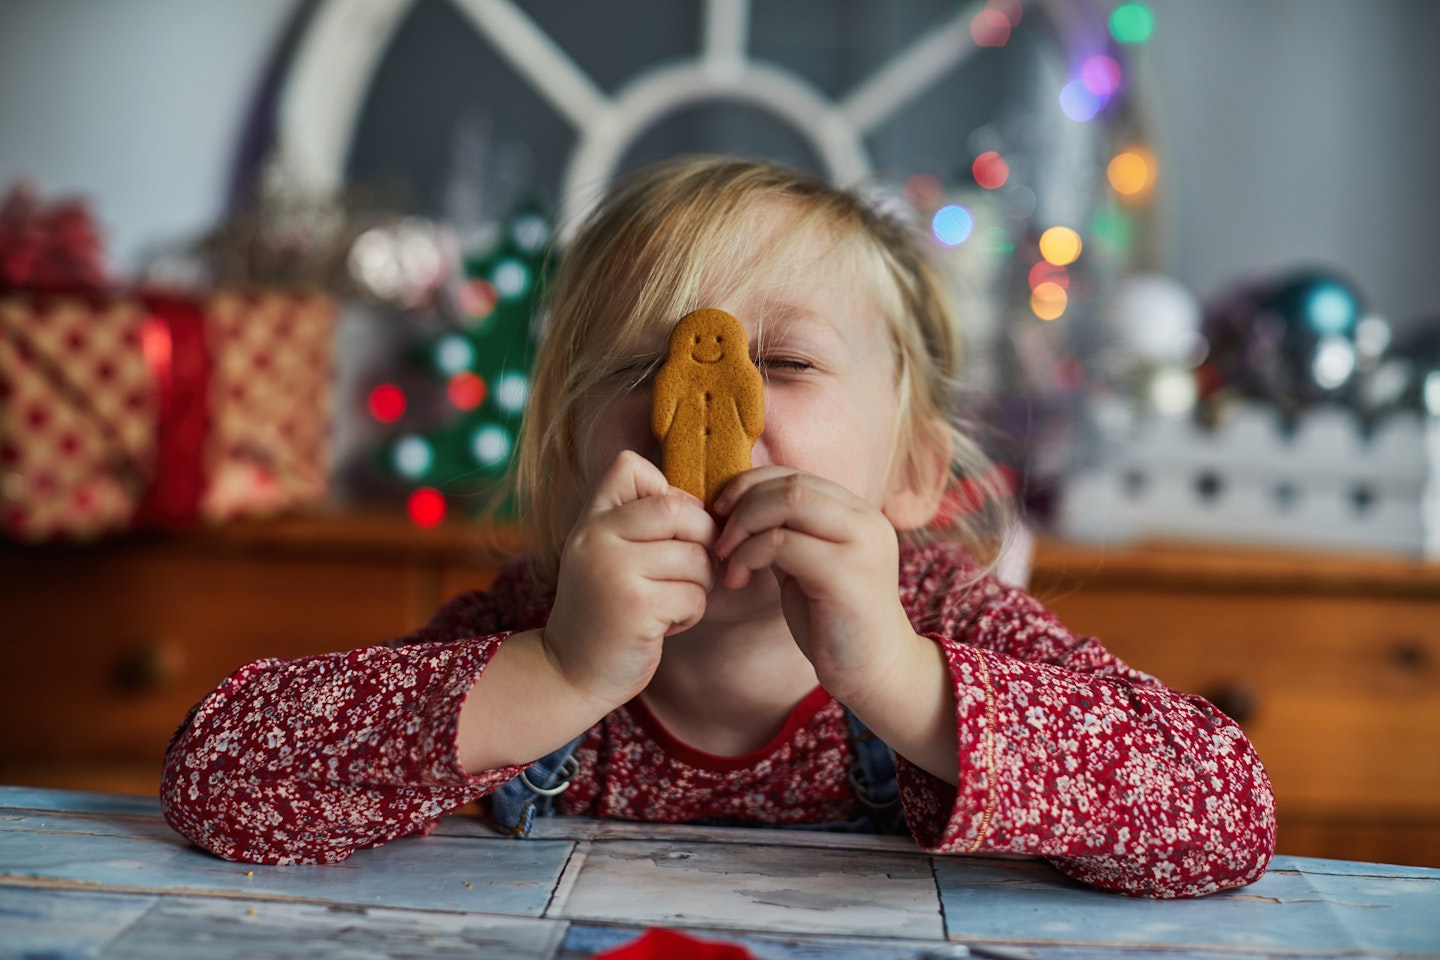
1132 23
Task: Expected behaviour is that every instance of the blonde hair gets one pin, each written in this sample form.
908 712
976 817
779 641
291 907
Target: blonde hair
684 228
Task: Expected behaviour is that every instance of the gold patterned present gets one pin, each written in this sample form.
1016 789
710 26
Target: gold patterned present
77 415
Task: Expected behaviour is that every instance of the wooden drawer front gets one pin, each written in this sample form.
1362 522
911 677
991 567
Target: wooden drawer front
1344 691
106 651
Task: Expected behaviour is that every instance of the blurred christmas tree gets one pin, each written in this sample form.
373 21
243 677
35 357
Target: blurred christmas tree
456 420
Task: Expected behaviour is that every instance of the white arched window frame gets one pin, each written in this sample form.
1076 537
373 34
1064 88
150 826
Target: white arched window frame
344 41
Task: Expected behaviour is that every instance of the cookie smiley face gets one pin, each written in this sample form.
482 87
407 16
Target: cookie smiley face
709 403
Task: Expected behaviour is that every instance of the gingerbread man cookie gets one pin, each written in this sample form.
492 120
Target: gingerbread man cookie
709 403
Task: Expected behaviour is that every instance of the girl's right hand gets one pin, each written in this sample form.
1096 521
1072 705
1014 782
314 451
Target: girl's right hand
635 569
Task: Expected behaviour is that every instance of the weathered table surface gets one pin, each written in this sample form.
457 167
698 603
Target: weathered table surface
95 875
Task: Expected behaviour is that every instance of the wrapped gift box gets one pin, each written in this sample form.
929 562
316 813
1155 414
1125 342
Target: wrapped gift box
160 410
77 415
270 400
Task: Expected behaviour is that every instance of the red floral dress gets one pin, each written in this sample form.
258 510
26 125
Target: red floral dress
1065 752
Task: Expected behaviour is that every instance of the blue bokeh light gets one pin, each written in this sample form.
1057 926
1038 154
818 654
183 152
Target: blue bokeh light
952 224
1079 102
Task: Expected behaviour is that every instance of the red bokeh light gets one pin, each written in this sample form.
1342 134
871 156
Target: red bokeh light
387 403
990 170
990 28
466 390
426 507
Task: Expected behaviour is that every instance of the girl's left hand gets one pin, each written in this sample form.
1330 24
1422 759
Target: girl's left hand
836 558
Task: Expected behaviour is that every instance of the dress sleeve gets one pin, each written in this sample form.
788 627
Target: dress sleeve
1069 754
309 760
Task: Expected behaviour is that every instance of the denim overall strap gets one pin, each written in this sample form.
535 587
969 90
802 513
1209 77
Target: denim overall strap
532 793
872 774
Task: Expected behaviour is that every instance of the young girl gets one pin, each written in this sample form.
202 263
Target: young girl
748 663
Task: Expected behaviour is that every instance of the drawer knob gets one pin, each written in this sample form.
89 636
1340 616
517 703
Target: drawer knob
148 666
1234 698
1410 656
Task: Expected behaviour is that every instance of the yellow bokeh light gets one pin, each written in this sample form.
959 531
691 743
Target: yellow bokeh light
1132 172
1060 246
1048 300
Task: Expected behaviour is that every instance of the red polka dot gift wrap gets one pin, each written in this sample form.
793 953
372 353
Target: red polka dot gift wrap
149 409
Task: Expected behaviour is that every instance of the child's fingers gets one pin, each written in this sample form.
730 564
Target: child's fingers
792 551
675 561
673 515
629 478
798 501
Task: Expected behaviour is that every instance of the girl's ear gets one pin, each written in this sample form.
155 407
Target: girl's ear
920 478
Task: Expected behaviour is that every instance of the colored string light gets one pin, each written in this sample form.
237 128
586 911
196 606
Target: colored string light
990 28
512 389
1101 75
490 445
1060 246
412 456
426 507
466 390
990 170
1132 23
952 224
1046 272
923 191
454 353
1079 102
478 298
1048 301
1132 172
386 403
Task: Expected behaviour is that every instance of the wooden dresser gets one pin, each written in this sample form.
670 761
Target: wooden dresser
1332 663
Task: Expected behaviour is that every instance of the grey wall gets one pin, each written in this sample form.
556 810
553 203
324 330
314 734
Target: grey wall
1291 131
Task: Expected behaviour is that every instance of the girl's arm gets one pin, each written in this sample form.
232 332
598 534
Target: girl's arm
1067 753
309 760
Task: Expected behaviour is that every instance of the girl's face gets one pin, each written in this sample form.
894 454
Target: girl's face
831 405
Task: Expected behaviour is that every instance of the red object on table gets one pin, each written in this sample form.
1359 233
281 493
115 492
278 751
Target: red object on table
661 944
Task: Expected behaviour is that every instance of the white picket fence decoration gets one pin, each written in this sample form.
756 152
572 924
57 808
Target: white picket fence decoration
1325 484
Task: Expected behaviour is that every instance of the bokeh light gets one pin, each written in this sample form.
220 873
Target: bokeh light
1331 310
412 456
923 191
512 389
1045 272
490 445
511 279
386 402
1011 9
478 298
466 390
1048 301
952 224
1112 226
1101 75
530 231
1060 246
1333 362
426 507
990 28
1079 102
990 170
1132 172
1132 23
454 353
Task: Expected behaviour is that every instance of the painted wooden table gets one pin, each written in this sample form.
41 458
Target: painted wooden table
96 875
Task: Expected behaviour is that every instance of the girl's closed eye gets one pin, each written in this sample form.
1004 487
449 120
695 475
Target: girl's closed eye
783 364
